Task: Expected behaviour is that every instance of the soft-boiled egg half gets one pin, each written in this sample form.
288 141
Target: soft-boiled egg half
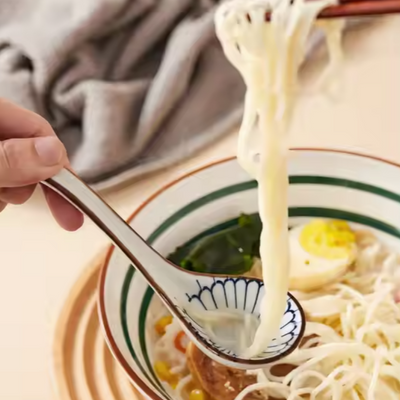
321 251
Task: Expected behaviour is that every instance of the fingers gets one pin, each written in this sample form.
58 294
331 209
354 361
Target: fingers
18 195
30 152
18 122
64 213
67 216
27 161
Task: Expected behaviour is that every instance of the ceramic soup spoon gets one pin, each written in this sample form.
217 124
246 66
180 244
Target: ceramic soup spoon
188 295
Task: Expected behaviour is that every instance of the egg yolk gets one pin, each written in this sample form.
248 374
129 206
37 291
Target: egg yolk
328 239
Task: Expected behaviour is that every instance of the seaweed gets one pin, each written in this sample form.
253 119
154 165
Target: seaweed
229 251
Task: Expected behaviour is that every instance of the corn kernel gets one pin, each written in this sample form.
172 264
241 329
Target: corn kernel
197 394
163 371
162 323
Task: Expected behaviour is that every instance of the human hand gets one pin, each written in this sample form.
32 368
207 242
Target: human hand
30 152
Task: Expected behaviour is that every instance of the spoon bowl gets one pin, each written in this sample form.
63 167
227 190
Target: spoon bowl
188 295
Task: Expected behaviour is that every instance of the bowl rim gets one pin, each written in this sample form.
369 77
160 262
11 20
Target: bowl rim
141 386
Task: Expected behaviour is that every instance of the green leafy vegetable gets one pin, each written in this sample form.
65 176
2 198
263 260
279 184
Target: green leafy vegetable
229 251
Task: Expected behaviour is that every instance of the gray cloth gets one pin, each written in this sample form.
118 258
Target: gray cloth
130 86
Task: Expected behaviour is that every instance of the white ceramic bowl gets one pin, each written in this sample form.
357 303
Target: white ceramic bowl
323 183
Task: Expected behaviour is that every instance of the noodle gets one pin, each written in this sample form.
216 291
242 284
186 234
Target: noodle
268 56
352 355
359 358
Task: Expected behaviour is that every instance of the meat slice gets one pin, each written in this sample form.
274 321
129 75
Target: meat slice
223 383
219 381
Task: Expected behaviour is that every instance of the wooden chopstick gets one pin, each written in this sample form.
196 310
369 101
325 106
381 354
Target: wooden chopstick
358 8
355 8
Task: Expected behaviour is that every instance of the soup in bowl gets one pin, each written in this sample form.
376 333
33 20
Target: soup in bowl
207 221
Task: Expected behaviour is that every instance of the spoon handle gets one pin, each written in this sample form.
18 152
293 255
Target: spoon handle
74 190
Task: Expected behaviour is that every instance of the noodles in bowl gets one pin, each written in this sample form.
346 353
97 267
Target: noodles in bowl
323 185
351 347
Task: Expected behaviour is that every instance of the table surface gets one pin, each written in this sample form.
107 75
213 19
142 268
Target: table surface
40 262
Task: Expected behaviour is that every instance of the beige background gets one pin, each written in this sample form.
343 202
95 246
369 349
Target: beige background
40 262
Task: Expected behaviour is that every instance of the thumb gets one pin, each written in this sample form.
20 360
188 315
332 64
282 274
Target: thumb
31 160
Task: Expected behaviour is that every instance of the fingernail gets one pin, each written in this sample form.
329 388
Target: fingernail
49 150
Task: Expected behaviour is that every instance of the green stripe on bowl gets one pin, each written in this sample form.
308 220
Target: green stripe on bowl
293 180
311 212
329 181
123 310
142 328
196 204
142 334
